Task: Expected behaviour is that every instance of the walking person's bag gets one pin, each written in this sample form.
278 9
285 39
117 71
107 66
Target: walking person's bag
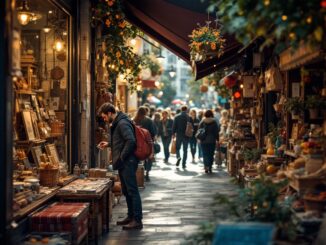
189 130
144 143
201 133
173 149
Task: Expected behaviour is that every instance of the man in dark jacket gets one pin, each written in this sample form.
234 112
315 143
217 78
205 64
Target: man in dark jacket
179 130
123 144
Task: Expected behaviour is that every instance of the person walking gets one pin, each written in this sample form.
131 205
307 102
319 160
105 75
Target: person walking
165 131
179 131
122 141
141 119
193 141
200 150
208 143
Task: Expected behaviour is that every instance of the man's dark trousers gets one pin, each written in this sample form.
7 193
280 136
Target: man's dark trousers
184 141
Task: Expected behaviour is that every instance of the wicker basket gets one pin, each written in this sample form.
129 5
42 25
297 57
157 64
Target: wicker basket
49 177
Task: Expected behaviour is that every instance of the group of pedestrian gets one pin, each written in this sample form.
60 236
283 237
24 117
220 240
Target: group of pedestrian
186 128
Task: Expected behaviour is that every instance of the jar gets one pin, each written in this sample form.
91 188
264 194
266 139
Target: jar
35 184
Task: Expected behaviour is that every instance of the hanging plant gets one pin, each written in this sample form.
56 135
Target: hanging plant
109 15
205 42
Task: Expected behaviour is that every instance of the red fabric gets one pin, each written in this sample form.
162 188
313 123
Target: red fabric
62 217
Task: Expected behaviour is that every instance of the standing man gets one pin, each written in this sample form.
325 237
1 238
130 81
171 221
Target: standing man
179 130
123 144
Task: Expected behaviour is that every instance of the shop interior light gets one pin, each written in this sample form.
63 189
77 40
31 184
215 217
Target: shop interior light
157 84
160 57
24 15
46 29
241 85
172 72
58 46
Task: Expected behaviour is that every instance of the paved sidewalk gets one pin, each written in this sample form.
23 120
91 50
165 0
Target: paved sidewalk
174 202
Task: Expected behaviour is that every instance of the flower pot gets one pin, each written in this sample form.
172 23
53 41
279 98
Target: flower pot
313 113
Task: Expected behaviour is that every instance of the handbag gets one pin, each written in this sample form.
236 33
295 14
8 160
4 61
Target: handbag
157 148
173 149
201 133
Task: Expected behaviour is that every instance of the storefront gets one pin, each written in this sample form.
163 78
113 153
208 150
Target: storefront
39 139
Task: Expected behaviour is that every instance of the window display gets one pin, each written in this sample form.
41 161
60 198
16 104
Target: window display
41 93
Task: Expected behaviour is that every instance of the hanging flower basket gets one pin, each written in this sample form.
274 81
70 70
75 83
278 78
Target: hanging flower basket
206 42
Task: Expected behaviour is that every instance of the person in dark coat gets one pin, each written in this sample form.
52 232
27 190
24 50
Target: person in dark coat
193 141
179 130
122 141
141 119
209 143
165 132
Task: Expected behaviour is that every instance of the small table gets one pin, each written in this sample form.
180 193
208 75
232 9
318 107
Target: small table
99 203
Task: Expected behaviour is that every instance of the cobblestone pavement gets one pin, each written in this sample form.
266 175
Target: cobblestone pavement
175 201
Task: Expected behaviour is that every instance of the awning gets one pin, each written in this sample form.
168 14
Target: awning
170 22
149 84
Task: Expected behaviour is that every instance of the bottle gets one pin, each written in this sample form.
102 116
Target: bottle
76 170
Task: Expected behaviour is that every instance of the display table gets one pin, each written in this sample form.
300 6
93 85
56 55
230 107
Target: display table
97 193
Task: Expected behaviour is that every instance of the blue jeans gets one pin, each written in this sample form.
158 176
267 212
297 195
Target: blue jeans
208 154
193 146
130 189
184 142
166 145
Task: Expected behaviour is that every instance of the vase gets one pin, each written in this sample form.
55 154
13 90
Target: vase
270 150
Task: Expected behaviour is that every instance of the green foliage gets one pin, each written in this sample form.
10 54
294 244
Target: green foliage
273 132
258 203
314 102
153 64
168 90
194 90
121 59
283 23
294 104
252 155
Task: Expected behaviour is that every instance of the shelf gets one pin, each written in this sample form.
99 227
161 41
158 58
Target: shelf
29 92
28 142
33 206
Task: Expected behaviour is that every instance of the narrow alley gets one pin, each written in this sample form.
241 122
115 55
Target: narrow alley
175 201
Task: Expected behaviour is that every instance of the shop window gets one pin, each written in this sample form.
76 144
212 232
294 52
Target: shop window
41 96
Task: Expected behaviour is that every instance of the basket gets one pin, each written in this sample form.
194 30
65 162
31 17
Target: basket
49 177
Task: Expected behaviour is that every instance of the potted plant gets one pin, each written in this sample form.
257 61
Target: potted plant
295 106
313 104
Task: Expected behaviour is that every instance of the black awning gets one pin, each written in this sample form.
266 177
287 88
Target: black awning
171 22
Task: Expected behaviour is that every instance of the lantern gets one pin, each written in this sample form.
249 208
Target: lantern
230 81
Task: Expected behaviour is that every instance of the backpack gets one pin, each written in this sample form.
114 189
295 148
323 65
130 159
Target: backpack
144 143
189 130
201 133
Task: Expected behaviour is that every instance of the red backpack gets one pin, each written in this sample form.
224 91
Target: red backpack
144 143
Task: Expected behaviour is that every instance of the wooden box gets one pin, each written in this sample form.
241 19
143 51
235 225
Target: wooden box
63 217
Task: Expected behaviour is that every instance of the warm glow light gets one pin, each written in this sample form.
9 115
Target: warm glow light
24 18
139 87
133 42
284 17
58 46
46 29
241 85
157 84
237 95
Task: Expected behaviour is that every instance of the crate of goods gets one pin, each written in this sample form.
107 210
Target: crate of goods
63 217
49 176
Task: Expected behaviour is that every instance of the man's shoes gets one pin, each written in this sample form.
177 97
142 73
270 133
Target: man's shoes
210 170
178 162
133 225
184 166
125 221
147 179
